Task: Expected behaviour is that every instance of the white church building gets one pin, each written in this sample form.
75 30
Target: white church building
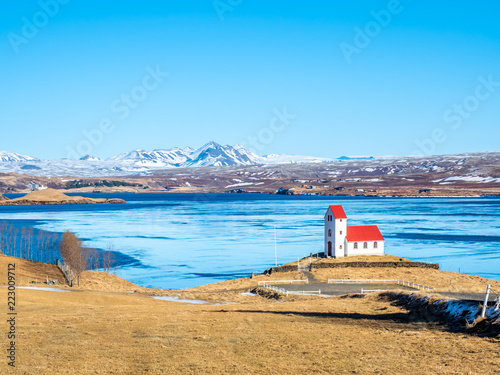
342 240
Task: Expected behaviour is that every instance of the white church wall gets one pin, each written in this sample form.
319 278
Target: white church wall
371 250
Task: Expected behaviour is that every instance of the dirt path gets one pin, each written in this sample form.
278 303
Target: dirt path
310 276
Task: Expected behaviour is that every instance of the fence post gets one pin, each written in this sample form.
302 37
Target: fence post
483 312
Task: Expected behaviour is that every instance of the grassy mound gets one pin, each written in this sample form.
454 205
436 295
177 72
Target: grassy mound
102 281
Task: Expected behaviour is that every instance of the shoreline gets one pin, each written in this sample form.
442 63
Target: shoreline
107 200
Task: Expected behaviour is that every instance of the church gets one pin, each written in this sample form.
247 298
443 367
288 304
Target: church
342 240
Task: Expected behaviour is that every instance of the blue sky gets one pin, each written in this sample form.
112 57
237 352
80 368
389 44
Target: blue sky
322 78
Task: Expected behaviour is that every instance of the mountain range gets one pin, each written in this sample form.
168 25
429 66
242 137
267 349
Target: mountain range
142 161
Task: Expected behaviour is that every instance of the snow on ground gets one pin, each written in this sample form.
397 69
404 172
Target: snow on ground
176 299
241 184
458 311
478 179
43 288
248 294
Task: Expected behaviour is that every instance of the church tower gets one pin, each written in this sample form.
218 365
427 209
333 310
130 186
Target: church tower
335 231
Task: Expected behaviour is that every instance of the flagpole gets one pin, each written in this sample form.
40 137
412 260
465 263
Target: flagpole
275 248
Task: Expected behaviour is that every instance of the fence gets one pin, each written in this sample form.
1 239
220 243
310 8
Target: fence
305 292
379 281
66 271
283 281
276 289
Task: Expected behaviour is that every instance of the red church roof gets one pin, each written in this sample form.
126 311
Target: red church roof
360 233
338 211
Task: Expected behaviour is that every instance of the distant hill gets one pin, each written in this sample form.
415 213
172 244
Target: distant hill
51 196
6 157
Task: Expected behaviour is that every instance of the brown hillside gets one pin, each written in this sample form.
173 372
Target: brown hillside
91 280
2 198
27 271
32 273
47 195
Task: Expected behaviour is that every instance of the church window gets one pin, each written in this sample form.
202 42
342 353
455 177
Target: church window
365 245
355 245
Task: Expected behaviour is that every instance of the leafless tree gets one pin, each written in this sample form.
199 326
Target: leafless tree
70 249
3 226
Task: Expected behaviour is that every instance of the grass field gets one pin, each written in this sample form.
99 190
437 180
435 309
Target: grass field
114 330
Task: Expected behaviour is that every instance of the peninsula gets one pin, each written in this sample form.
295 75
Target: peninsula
51 196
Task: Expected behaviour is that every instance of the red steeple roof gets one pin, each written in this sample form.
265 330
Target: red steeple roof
361 233
338 211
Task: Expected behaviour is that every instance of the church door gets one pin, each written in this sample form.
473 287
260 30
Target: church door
329 248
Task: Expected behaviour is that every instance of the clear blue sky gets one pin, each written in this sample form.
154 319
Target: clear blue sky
232 64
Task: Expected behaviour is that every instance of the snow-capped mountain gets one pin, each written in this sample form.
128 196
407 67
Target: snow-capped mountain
174 157
256 159
6 156
213 154
143 161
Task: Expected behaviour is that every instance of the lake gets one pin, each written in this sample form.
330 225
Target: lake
185 240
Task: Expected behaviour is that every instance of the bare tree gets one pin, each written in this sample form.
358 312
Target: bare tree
93 260
70 248
29 242
52 247
3 226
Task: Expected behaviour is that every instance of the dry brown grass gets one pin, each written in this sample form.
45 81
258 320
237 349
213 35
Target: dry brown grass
113 331
28 271
102 281
102 333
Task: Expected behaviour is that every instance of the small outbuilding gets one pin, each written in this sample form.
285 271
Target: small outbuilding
342 240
